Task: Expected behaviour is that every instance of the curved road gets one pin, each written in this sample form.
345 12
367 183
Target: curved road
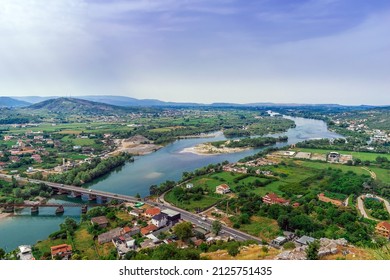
363 211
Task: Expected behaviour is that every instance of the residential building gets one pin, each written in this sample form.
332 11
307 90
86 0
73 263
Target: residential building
25 253
151 212
63 251
101 221
272 198
160 220
383 229
222 189
148 229
109 235
305 240
172 216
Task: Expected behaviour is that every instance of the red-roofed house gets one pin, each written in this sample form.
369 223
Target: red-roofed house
272 198
63 251
148 229
222 189
383 229
152 212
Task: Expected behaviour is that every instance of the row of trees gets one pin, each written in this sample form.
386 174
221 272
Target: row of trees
90 171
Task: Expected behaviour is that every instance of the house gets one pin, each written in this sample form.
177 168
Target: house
160 220
173 216
272 198
222 189
101 221
383 229
25 253
152 212
136 212
148 229
305 240
109 235
278 241
63 252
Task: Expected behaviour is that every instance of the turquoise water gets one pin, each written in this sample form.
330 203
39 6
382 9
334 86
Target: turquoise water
166 164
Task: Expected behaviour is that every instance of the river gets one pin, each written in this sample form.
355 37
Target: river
167 163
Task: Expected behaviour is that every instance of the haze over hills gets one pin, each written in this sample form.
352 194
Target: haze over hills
125 101
12 102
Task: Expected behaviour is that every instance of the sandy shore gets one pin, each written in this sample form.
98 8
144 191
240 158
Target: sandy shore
208 149
4 215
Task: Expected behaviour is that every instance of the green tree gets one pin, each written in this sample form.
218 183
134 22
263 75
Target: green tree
312 250
216 227
233 249
2 253
183 230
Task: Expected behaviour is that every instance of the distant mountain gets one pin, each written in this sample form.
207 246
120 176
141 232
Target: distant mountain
34 99
75 106
129 101
11 102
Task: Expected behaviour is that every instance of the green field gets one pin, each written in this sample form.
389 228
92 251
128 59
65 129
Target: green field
262 227
193 206
361 155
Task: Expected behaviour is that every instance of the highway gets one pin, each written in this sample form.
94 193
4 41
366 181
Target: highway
185 215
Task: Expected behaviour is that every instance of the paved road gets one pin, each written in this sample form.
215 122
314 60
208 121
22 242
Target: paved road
361 207
363 211
185 215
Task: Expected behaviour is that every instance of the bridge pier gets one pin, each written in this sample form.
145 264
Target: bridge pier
75 194
34 209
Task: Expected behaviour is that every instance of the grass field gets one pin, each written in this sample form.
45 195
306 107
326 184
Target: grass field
361 155
262 227
205 202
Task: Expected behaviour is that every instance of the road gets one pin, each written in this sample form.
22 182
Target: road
185 215
363 211
361 207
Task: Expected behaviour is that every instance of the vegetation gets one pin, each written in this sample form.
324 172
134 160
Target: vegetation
89 171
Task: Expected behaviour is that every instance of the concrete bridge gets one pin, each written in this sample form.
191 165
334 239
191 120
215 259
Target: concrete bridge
185 215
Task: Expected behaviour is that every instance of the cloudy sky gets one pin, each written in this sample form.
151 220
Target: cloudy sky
311 51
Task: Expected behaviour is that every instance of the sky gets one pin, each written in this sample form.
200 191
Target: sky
242 51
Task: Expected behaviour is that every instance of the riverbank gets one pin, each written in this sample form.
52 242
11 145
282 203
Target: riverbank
136 145
209 149
5 215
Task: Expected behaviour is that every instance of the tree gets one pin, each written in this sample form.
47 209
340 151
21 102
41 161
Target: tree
183 230
312 250
233 249
216 227
2 253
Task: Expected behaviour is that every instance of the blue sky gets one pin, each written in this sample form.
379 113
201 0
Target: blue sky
313 51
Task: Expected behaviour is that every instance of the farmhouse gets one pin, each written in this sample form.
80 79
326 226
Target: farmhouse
272 198
222 189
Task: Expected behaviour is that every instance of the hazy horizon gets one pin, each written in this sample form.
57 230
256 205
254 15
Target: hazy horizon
232 51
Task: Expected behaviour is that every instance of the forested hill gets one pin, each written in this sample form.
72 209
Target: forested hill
76 106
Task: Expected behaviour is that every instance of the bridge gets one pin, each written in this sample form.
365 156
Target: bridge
185 215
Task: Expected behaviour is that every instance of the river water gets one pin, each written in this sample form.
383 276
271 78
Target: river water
167 163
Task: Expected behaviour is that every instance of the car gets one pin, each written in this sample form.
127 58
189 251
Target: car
89 190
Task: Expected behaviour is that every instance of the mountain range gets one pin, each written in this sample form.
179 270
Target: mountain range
124 101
